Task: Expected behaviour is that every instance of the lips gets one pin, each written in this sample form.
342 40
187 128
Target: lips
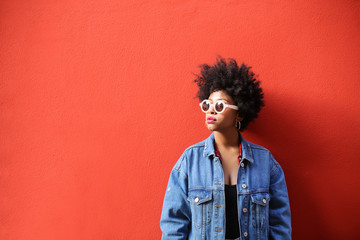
210 119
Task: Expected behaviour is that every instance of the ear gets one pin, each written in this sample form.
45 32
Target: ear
238 118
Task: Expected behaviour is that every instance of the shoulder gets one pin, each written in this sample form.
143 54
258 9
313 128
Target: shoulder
255 146
196 150
261 154
196 147
253 150
192 154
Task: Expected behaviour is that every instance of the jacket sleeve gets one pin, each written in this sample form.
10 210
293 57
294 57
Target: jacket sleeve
176 215
279 207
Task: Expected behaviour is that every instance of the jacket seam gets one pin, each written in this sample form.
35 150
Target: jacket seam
249 192
276 165
194 146
178 167
256 147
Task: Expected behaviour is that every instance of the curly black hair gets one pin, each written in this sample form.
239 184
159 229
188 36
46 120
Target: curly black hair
239 82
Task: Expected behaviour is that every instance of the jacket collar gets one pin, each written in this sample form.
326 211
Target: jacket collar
209 150
246 150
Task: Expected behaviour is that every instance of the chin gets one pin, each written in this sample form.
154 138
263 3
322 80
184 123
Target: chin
211 128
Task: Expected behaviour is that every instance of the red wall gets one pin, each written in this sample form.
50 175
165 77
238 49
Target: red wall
97 103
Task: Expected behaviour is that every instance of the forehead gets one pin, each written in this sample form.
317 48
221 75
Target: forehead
220 94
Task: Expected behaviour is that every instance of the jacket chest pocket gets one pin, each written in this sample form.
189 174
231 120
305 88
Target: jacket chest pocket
260 210
201 206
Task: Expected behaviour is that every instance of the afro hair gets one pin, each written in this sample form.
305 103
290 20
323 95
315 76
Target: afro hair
239 82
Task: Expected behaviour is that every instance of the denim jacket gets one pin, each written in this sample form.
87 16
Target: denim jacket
194 204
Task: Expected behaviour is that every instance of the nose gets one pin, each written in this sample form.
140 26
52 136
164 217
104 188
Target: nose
212 109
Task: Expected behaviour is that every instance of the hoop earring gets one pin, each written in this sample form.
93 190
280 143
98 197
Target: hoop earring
238 125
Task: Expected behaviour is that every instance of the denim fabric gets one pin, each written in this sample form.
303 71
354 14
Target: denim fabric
194 204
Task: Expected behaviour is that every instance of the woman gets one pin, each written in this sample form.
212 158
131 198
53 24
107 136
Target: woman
226 187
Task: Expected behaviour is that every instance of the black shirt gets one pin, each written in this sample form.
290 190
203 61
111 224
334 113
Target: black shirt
232 220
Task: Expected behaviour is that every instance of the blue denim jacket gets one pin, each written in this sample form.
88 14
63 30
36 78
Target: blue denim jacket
194 204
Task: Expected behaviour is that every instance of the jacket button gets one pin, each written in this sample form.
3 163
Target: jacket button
242 164
243 186
197 199
264 200
245 234
244 210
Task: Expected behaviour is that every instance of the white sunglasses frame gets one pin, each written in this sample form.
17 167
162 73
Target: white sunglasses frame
213 105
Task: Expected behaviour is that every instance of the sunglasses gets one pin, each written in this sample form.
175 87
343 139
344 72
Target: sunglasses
219 106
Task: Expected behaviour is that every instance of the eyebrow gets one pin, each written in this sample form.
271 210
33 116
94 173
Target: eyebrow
220 99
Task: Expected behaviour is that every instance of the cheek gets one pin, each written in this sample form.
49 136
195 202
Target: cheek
232 120
231 116
228 119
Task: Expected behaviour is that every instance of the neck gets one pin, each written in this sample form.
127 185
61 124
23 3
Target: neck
227 139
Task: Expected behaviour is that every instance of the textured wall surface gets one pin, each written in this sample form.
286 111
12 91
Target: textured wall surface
97 103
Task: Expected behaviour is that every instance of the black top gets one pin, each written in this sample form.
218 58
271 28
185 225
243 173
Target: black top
232 220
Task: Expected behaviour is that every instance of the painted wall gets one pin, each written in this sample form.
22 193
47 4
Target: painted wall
97 104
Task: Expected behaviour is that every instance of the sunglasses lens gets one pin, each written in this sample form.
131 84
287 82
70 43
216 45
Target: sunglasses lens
205 106
219 106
